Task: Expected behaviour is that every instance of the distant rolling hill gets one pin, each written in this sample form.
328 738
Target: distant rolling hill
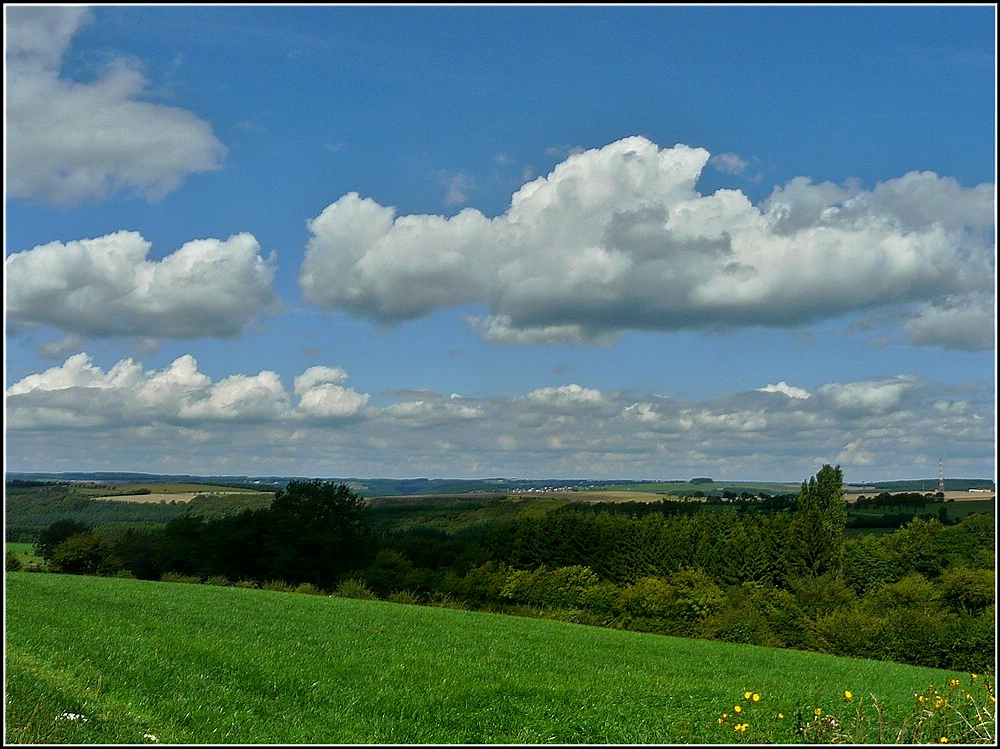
384 487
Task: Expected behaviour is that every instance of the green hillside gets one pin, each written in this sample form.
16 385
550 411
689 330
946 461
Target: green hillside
99 660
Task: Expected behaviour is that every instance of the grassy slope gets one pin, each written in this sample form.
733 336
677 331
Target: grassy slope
203 664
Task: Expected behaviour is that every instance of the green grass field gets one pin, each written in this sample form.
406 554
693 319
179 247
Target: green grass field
25 554
99 660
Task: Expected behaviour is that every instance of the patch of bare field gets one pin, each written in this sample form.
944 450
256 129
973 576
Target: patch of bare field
152 498
956 496
156 497
595 496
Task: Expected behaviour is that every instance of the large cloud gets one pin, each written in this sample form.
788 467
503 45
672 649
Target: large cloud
178 419
617 238
69 141
106 286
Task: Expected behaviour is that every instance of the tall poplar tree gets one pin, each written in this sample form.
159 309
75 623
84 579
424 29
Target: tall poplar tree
816 545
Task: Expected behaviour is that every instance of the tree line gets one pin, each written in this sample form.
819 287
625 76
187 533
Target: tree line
790 577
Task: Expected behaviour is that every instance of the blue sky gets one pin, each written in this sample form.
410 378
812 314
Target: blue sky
647 242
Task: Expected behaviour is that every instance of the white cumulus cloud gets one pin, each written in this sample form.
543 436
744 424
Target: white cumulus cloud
69 141
107 286
874 396
785 389
322 394
617 238
79 393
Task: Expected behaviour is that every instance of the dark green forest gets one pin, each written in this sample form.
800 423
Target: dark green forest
790 571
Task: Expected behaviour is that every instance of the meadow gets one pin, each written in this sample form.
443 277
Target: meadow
112 660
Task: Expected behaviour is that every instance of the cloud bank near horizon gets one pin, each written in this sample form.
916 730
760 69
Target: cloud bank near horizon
255 423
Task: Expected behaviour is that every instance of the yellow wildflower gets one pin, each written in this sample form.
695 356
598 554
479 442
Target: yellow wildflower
737 709
756 697
848 695
818 711
953 683
746 695
781 716
944 739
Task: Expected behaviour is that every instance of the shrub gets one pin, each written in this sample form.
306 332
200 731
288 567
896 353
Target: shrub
354 588
966 590
177 577
916 637
758 615
821 595
87 553
389 569
517 584
55 534
648 597
404 596
968 643
12 563
601 600
918 547
913 592
246 584
852 632
697 594
736 625
307 589
868 564
281 586
445 601
564 586
220 580
480 585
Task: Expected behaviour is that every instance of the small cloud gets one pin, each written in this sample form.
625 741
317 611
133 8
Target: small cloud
964 322
250 127
785 389
873 396
728 163
59 350
562 152
458 186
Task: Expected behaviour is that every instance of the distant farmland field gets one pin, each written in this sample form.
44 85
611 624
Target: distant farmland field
956 496
169 496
